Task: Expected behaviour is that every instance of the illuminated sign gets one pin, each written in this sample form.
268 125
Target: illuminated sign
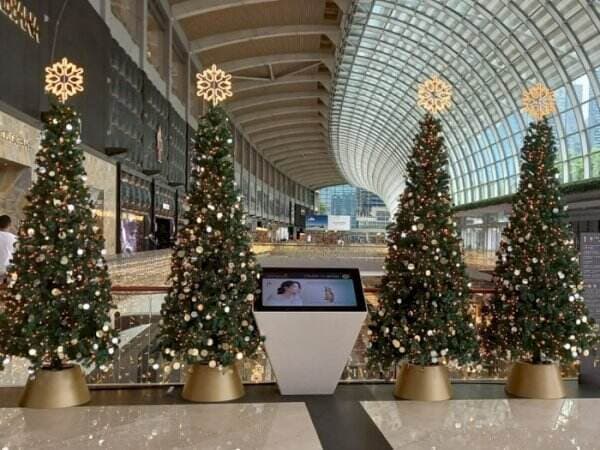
22 17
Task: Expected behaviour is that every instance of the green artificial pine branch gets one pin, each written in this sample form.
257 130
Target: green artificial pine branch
423 312
538 313
58 297
207 315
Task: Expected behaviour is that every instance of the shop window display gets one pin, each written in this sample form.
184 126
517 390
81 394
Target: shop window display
132 232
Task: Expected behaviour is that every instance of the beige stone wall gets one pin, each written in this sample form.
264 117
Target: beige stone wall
19 142
102 175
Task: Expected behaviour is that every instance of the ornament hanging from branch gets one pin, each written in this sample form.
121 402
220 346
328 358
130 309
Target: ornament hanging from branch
538 101
64 79
435 95
214 85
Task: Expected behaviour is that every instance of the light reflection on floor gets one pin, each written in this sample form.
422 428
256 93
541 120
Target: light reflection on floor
489 424
252 426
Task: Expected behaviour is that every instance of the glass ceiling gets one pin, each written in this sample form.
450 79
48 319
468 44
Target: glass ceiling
489 51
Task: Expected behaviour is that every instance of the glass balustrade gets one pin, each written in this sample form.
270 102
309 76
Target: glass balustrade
137 317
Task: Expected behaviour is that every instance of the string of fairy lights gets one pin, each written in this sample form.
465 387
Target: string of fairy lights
58 301
423 314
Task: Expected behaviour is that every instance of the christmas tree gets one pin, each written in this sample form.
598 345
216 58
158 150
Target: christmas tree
423 312
538 313
207 315
58 296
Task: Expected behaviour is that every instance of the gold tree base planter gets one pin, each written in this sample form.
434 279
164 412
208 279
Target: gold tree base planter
541 381
204 384
55 389
423 383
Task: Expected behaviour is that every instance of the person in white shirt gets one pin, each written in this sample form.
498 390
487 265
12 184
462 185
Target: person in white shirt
7 244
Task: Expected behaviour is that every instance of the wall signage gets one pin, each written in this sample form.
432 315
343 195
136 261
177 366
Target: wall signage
339 223
590 268
316 222
14 139
22 17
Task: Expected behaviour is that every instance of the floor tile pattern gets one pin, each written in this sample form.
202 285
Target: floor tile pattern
489 424
249 426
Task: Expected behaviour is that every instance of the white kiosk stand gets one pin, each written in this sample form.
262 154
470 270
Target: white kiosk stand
310 319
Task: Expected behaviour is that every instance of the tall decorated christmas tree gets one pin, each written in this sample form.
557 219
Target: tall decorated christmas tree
207 319
58 296
423 313
538 314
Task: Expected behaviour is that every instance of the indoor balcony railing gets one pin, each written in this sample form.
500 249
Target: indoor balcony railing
138 362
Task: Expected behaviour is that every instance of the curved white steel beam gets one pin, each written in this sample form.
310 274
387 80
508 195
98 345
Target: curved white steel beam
304 130
344 5
271 114
305 154
191 8
257 100
303 148
236 65
245 86
260 128
250 34
370 135
308 140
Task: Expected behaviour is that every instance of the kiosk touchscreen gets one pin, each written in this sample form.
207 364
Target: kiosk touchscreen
310 319
311 290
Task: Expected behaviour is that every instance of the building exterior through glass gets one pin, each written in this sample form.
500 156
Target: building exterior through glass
366 210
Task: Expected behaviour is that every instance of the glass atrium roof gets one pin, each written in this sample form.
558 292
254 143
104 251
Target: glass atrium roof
489 51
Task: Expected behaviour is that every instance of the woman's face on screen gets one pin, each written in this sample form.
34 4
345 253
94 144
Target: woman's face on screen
293 289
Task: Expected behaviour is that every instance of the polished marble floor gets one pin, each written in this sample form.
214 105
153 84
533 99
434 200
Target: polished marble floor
489 424
251 426
356 417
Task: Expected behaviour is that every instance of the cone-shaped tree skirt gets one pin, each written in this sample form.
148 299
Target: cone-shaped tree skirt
535 381
55 389
424 383
204 384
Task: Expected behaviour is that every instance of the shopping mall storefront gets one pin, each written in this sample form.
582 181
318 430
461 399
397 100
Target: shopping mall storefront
19 142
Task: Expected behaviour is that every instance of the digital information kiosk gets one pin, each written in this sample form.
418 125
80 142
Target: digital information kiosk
310 319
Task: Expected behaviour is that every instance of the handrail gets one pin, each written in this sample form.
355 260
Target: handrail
165 289
160 289
375 290
139 289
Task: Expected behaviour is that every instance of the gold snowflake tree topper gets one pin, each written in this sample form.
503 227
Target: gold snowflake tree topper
214 85
435 95
64 79
538 101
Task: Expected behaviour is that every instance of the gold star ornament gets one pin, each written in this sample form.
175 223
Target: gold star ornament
214 85
64 79
538 101
435 95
